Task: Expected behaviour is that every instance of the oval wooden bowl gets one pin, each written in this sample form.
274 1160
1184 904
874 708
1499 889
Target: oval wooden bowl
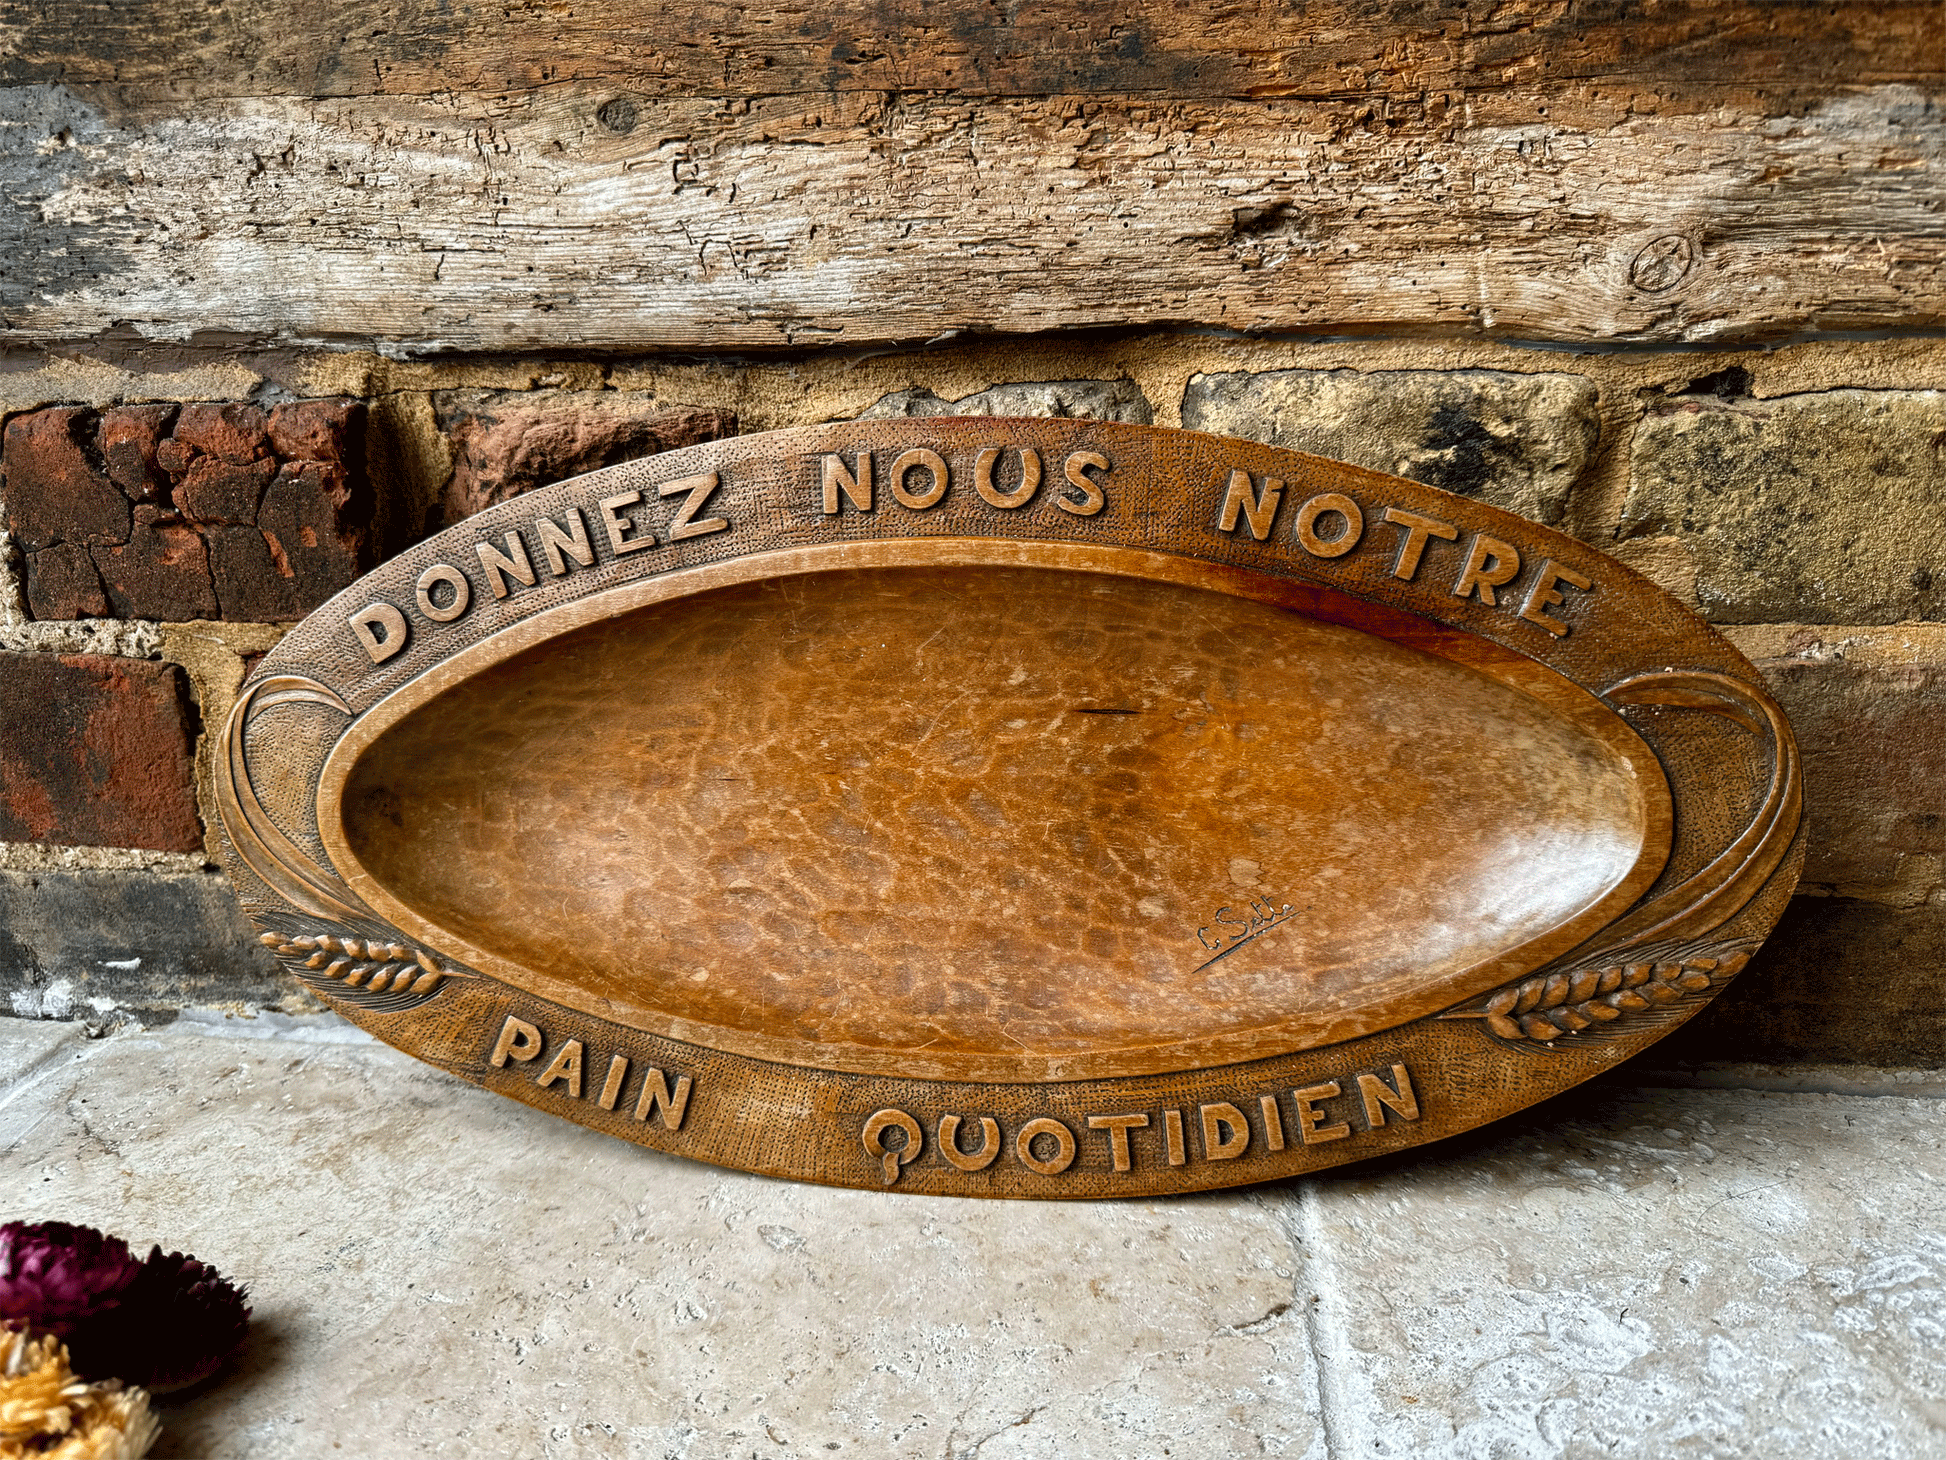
1010 807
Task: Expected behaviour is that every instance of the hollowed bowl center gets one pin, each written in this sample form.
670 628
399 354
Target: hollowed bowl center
991 821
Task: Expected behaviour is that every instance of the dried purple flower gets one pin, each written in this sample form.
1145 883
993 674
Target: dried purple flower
174 1326
54 1276
163 1324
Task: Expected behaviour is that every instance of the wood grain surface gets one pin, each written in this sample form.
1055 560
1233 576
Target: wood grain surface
721 177
1407 48
1000 823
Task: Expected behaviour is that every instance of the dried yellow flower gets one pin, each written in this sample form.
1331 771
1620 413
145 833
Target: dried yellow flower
46 1413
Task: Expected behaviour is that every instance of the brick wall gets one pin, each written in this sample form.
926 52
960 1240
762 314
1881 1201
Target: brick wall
164 520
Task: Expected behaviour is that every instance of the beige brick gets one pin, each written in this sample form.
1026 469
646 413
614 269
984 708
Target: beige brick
1820 508
1517 441
1869 708
1839 981
1088 400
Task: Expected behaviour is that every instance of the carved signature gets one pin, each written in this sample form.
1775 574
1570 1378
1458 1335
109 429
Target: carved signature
1233 927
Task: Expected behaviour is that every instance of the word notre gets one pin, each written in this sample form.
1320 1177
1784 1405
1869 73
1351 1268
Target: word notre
522 1043
1487 566
1048 1146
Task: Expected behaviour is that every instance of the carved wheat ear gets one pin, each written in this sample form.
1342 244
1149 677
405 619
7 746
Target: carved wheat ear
1549 1005
260 844
1593 988
363 963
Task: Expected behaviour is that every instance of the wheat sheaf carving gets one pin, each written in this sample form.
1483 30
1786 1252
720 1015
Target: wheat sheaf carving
1552 1004
360 962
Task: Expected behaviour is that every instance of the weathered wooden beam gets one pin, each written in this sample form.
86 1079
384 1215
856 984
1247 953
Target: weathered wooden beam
526 221
188 49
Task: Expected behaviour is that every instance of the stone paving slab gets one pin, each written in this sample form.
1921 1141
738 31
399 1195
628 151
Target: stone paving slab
438 1271
26 1045
1644 1273
1626 1272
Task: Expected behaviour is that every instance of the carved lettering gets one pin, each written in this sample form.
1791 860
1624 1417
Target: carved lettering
920 479
619 527
1305 529
1044 1144
1093 494
891 1158
1412 540
1020 496
500 566
699 490
1172 1142
571 539
1273 1121
919 459
1309 1118
1064 1147
1259 507
380 629
611 1088
566 1065
459 593
855 483
1047 1145
656 1095
1378 1097
519 1041
1118 1127
978 1160
1545 594
1219 1118
1490 564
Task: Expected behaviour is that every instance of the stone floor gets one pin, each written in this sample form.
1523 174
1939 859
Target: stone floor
1638 1269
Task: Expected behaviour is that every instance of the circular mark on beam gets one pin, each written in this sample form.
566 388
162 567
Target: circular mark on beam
1662 263
617 114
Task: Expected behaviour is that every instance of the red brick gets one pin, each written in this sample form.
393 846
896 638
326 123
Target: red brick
504 445
317 430
238 513
96 751
162 572
62 583
54 492
173 456
233 433
218 490
129 438
251 585
315 528
254 576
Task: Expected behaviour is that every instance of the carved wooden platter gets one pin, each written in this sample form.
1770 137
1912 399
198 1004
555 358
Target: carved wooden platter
1033 808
